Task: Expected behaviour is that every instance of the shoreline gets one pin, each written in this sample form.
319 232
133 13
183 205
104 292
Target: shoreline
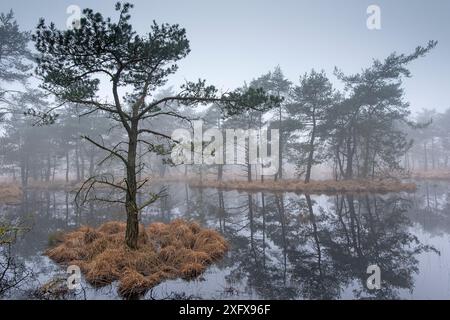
313 187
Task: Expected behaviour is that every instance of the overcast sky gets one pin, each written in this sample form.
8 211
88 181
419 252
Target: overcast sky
233 41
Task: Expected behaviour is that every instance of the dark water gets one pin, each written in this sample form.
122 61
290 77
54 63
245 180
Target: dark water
283 246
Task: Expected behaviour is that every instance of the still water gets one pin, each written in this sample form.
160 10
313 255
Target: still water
283 246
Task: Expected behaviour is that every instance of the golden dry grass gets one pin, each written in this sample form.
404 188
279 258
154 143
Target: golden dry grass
10 193
179 249
318 187
431 175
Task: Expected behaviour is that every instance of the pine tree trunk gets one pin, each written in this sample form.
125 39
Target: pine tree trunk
433 161
349 169
426 156
49 169
132 229
67 166
77 161
23 173
311 150
91 163
54 169
82 164
280 151
220 172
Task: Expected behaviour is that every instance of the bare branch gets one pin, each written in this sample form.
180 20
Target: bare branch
91 182
153 198
155 133
106 149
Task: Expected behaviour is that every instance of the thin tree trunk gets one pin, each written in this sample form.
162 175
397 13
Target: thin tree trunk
82 163
433 161
280 151
426 156
311 149
49 169
132 229
91 164
220 172
67 166
23 173
365 169
77 161
54 169
349 169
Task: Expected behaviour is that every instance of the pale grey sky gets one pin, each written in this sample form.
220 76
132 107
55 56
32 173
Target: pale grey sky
234 41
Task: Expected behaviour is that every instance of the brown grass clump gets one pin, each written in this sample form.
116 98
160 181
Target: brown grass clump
317 187
112 227
10 193
192 270
179 249
134 283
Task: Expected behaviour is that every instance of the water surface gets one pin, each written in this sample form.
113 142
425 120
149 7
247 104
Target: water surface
283 246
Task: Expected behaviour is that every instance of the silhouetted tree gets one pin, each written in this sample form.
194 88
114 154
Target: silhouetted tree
71 62
311 101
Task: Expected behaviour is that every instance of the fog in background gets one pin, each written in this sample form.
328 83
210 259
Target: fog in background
235 41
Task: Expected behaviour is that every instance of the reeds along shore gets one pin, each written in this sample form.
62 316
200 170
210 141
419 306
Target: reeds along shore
179 249
323 186
431 175
12 192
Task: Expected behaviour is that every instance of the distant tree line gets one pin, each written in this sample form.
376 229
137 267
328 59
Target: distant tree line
431 148
363 132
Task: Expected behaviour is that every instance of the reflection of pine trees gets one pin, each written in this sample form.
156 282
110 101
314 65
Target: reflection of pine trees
373 230
283 246
44 213
291 247
431 208
13 271
254 257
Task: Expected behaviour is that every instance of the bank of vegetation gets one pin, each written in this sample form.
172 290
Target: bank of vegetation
179 249
312 187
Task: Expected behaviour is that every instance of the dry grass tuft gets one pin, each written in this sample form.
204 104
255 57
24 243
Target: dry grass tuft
112 227
192 270
133 283
179 249
317 187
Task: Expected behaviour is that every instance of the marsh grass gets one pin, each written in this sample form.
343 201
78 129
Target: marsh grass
178 249
313 187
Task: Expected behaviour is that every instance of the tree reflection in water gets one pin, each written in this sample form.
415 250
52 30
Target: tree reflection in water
283 246
289 246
